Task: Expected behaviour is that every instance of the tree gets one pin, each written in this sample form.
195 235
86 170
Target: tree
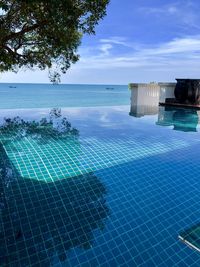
45 34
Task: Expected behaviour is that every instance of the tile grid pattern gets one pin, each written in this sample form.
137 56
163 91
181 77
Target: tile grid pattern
107 202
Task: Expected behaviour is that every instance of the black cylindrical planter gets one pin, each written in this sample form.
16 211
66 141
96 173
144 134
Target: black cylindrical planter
187 91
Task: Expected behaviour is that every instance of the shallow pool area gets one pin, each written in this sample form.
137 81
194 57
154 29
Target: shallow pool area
98 186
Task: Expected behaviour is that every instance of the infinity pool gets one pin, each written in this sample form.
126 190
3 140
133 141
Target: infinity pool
98 186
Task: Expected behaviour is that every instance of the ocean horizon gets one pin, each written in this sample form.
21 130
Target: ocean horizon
35 95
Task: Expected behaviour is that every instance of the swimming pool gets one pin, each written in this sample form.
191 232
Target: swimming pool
98 187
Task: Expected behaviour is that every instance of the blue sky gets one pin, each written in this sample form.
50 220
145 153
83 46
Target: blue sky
138 41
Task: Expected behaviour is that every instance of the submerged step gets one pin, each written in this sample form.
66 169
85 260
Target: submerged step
191 237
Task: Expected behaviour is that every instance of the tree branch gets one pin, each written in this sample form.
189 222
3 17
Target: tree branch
24 30
14 53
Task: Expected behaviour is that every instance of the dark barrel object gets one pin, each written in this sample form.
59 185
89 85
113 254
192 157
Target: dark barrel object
187 91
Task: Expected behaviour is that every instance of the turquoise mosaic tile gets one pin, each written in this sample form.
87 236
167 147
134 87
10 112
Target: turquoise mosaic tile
112 191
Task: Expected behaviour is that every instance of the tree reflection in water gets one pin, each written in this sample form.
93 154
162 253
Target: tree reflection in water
42 131
40 221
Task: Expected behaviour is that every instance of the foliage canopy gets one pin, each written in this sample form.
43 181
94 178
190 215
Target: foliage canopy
45 34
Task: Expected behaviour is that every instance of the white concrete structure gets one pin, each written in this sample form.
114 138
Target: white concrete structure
145 97
140 111
166 91
144 93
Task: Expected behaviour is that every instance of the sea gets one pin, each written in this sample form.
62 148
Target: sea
22 95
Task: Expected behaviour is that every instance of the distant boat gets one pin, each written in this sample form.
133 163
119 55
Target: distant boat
12 86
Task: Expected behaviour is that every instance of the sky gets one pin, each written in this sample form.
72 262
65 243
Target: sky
138 41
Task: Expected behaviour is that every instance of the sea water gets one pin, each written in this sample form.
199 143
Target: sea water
14 96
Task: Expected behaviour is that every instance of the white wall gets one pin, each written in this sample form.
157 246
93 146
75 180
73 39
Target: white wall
166 91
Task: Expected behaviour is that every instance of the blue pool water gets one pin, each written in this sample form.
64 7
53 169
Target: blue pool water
98 186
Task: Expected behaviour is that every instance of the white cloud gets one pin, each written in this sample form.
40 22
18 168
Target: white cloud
172 9
177 51
176 46
115 40
163 62
183 14
163 10
105 49
179 57
120 41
